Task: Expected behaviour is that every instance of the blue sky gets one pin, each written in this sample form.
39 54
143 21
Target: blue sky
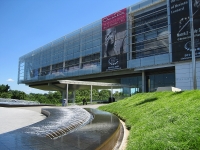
26 25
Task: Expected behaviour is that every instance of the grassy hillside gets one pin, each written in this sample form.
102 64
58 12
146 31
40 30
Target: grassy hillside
160 120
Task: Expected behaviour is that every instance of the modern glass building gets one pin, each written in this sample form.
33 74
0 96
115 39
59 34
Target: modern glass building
145 46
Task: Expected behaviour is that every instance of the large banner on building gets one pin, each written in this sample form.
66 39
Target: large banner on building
114 41
180 29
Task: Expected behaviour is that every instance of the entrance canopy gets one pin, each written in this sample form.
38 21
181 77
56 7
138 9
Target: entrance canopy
91 84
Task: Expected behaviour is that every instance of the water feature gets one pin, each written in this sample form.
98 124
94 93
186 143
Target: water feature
62 121
100 133
16 101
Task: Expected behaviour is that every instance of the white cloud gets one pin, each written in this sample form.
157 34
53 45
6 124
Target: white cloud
10 80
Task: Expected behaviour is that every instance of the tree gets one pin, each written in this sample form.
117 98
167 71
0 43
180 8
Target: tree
104 94
116 94
53 97
41 98
4 88
95 94
5 95
18 94
81 94
57 96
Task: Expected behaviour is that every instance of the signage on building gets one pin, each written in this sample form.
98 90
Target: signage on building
114 41
180 29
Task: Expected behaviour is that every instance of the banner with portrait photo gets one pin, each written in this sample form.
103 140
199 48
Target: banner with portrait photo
180 29
114 35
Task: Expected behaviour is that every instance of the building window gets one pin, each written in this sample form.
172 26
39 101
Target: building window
57 68
150 33
72 64
45 71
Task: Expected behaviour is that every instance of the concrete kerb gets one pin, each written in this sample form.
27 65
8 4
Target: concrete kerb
121 143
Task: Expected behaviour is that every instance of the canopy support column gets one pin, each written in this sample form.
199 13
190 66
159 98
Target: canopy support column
143 82
91 94
111 93
67 95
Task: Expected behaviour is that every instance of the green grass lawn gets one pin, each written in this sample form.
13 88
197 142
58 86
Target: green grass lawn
160 120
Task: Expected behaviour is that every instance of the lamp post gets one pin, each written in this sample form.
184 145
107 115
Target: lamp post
192 46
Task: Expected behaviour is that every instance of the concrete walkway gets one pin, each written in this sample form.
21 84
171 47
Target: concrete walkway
15 118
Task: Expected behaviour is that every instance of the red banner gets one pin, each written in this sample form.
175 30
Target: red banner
114 19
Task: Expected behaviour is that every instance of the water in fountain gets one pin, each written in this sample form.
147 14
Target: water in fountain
61 121
16 101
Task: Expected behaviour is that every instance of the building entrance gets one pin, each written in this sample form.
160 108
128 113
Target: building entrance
135 84
159 80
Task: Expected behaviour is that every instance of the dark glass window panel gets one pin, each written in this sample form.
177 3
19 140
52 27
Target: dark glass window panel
158 79
169 79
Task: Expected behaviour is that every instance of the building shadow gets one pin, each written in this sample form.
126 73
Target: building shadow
148 100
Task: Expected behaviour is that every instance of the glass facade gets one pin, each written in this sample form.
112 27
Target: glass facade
150 33
77 53
89 50
142 4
